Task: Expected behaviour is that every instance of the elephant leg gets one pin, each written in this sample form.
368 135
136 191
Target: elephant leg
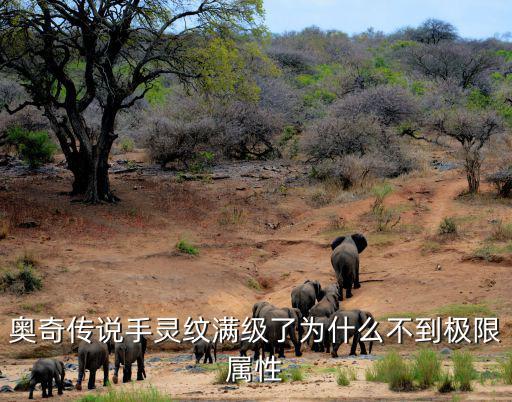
362 346
127 372
81 373
280 353
335 347
357 284
58 382
105 372
44 386
117 364
140 368
92 379
348 288
50 387
355 341
31 388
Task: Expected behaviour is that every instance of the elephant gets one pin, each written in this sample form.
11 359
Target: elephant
306 295
260 308
128 352
323 345
44 371
245 346
204 348
355 318
93 356
329 303
274 329
345 261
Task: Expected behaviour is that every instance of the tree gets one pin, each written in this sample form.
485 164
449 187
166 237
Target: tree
472 129
72 56
433 31
466 63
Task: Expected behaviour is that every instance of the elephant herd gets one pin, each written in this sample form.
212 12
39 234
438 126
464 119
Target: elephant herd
309 300
91 356
320 305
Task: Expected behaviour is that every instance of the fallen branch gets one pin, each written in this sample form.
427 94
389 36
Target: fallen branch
372 280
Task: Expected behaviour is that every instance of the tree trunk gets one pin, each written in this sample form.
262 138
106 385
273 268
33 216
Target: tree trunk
473 173
98 183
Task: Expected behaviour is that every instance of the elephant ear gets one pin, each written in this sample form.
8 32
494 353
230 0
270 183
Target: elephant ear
337 242
360 242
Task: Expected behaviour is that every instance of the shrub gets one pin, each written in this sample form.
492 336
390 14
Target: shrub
385 217
183 246
128 395
427 368
506 369
34 147
127 144
393 370
502 181
445 383
345 375
447 226
296 374
253 284
463 370
221 374
502 231
22 279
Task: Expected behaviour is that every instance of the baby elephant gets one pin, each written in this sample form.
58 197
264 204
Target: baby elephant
204 348
128 352
44 372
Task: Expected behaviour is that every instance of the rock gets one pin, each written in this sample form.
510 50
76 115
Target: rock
68 384
229 388
446 351
71 366
154 359
439 267
22 384
5 389
28 224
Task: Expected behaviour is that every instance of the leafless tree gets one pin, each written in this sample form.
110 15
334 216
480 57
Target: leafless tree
69 54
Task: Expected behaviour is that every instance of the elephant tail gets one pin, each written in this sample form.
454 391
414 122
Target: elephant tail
215 350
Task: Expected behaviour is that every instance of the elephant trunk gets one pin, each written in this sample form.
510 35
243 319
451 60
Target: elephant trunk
370 348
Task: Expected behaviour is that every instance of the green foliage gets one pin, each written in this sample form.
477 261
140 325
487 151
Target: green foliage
150 394
478 100
418 88
502 231
447 226
221 374
319 95
384 216
22 279
463 369
344 375
127 144
506 369
445 383
426 368
34 147
202 162
183 246
253 284
157 95
296 374
394 370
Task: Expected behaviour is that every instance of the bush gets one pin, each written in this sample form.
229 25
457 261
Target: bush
127 144
463 370
393 370
447 226
502 181
427 368
23 279
184 246
296 374
345 375
502 231
445 383
134 395
221 374
34 147
506 369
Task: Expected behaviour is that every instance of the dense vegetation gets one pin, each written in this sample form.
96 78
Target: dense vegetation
355 106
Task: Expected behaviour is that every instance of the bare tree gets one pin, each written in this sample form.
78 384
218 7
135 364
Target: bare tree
467 63
433 31
71 54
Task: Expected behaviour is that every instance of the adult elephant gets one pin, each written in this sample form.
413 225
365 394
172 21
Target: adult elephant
128 352
276 322
306 295
260 308
345 261
329 303
93 356
355 319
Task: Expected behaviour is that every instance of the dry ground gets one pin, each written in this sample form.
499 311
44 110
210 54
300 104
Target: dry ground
261 225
